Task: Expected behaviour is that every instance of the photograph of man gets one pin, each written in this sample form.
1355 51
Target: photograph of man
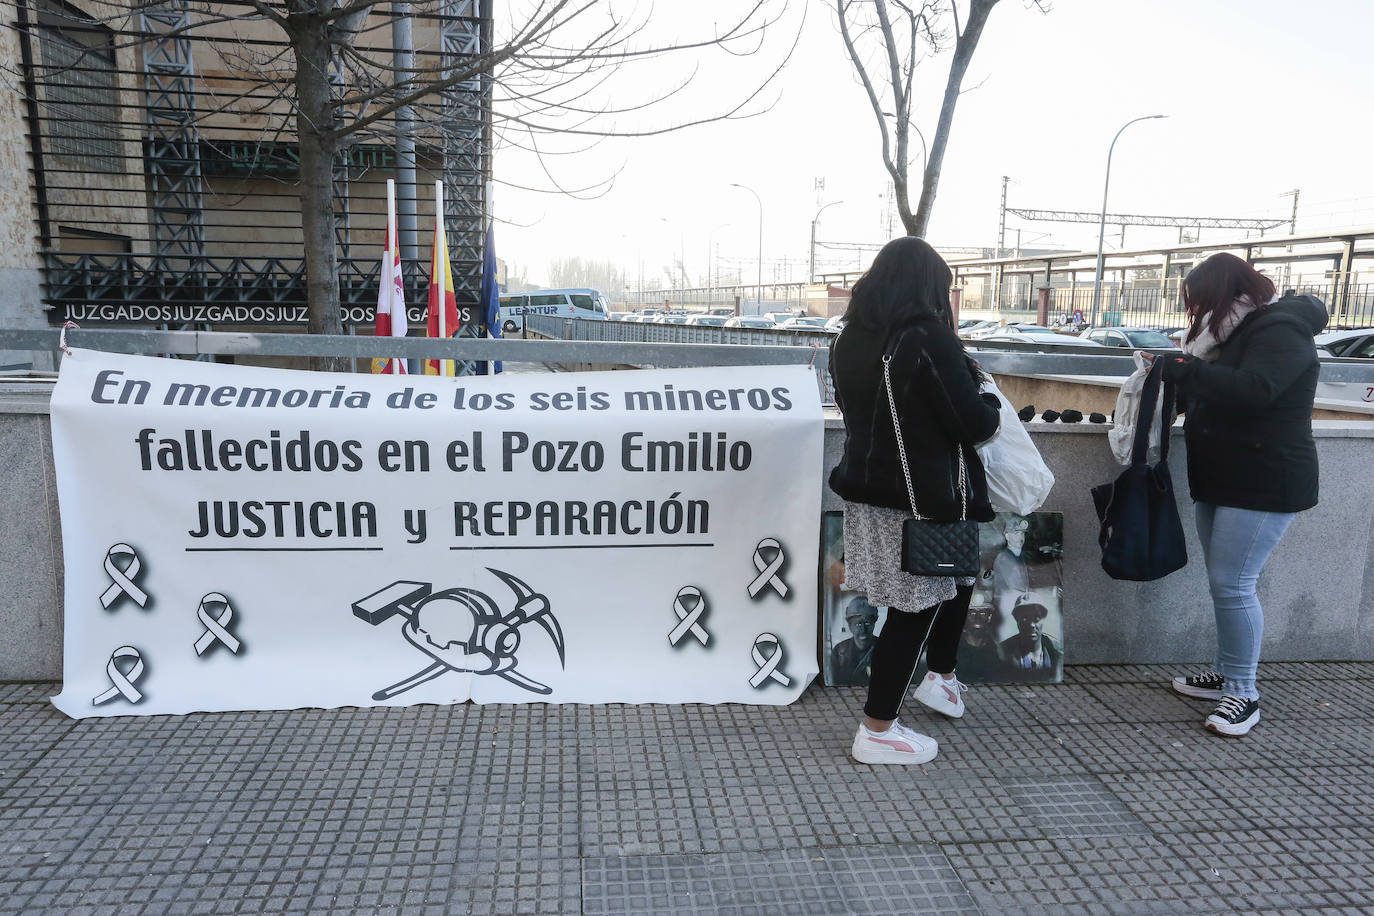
1009 577
979 655
1031 654
850 658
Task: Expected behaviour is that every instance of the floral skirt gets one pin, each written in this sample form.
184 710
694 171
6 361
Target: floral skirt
873 561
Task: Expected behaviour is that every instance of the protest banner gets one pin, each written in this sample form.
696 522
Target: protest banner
250 538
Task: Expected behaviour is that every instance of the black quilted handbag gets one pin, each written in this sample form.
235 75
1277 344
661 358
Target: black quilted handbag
929 547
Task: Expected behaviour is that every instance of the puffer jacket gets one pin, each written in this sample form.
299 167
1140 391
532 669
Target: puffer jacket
1249 413
940 408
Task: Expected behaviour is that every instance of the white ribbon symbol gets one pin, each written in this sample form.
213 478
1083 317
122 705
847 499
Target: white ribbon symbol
687 619
216 629
768 666
123 682
123 577
768 569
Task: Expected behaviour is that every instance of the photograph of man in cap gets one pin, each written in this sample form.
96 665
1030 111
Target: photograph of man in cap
1009 577
979 654
1031 654
850 658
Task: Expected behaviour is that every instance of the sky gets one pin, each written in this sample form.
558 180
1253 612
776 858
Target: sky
1262 97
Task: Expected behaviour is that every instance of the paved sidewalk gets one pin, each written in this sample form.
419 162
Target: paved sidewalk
1100 795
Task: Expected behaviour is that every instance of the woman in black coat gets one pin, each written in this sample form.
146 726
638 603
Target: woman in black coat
900 309
1247 381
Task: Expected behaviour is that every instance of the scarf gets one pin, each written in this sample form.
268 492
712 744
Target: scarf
1206 345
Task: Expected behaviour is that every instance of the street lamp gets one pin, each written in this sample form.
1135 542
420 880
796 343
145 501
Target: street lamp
1102 222
811 266
760 203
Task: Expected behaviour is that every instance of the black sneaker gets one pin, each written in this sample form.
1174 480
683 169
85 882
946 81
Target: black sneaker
1234 716
1204 686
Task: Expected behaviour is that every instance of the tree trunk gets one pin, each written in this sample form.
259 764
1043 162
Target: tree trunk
318 145
964 47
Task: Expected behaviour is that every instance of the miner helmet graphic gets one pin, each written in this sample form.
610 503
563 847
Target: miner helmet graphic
463 629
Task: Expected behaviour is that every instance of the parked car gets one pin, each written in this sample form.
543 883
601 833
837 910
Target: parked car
1129 338
724 311
779 317
750 321
835 324
1353 344
803 323
971 327
707 321
1047 339
669 318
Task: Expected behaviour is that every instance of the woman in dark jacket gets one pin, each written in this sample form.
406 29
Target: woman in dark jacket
1247 382
900 308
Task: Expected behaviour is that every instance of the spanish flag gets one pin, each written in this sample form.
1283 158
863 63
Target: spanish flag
391 296
443 303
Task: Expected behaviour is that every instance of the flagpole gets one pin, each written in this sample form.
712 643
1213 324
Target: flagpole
392 249
441 265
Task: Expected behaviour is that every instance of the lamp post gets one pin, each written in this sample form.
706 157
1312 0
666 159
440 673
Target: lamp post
811 266
760 203
1102 222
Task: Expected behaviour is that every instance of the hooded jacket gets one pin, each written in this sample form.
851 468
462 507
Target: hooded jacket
940 409
1249 412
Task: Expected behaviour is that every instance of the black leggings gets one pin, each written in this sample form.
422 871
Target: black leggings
937 627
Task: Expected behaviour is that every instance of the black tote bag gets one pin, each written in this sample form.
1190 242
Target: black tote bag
1141 535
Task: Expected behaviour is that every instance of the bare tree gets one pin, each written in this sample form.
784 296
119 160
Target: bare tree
322 74
886 41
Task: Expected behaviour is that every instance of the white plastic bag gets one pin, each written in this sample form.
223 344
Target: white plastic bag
1018 479
1122 434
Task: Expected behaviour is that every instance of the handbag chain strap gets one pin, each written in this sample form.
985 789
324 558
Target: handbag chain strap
901 452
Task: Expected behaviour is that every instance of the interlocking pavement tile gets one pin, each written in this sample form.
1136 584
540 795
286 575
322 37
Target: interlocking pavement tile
998 751
516 747
1152 702
30 692
1059 704
30 731
1300 796
399 888
1072 806
33 837
1175 801
987 706
633 821
517 856
1342 858
905 878
1123 674
1186 746
1029 877
69 890
788 880
1317 671
1289 701
1137 874
1249 870
953 808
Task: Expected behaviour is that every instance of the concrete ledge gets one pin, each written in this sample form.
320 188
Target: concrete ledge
1318 590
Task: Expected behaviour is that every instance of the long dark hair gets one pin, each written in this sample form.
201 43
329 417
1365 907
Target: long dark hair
907 280
1211 289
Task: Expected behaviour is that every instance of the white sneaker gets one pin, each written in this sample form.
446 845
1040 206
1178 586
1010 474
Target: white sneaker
943 696
899 745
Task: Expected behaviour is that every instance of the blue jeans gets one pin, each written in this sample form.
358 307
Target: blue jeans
1236 543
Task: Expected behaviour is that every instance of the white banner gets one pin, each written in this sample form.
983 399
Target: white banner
245 538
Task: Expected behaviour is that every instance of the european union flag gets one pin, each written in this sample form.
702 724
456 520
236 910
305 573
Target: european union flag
491 295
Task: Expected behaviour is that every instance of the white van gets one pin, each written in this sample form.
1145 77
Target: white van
565 303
